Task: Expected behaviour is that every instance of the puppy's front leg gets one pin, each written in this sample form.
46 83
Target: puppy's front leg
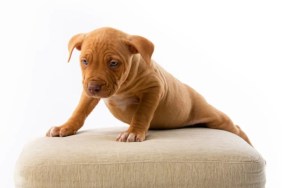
142 118
76 121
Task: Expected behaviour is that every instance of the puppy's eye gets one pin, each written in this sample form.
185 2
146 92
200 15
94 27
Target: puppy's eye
113 64
84 62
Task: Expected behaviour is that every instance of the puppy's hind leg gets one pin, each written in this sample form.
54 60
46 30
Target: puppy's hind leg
223 122
204 113
243 135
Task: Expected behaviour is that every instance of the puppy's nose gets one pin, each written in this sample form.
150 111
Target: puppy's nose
94 87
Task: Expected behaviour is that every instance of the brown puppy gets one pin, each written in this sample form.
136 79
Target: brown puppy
117 68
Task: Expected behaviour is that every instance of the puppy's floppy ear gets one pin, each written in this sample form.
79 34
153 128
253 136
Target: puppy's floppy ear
75 42
141 45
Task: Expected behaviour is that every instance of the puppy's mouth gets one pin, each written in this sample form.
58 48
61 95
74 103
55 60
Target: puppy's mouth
98 89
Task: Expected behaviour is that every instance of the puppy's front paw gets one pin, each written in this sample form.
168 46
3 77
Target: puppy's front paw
131 136
60 131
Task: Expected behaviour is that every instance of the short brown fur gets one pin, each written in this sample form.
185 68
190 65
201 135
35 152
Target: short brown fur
117 68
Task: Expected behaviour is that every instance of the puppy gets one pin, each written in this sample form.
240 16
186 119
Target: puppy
117 67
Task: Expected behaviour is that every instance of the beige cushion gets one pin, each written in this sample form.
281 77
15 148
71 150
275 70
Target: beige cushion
190 157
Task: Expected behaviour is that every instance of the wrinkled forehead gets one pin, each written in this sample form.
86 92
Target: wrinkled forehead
103 43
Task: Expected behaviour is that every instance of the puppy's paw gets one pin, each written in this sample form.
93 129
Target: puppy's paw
60 131
131 136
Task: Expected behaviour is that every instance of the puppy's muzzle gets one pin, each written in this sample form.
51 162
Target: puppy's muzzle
95 87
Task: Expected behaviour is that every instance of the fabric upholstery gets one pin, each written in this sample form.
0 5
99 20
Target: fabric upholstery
189 157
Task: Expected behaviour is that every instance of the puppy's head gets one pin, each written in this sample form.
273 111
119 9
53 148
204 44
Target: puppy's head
106 58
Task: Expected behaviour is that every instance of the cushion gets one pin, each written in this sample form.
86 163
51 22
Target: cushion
188 157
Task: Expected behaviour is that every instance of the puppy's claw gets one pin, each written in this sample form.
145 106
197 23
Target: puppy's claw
60 132
130 137
53 132
122 137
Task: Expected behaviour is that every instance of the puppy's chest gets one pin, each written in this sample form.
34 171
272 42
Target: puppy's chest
121 102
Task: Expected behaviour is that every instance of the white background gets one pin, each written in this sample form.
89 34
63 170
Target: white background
230 51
